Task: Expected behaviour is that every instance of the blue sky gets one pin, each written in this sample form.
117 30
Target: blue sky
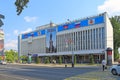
40 12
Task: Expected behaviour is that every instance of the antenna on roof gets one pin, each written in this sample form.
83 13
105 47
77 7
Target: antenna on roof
51 24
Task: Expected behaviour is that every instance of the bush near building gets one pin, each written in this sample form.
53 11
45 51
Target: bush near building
37 60
60 59
47 60
91 59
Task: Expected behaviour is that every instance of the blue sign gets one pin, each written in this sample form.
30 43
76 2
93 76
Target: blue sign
79 24
33 34
82 23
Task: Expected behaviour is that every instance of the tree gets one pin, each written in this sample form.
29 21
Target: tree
60 60
75 60
91 59
11 56
37 60
20 4
115 21
1 17
24 58
47 60
0 57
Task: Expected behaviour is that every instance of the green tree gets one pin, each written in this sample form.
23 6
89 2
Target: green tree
20 4
60 59
24 58
115 21
75 60
37 60
11 56
91 59
0 57
47 60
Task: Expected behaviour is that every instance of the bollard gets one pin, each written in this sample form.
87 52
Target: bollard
72 65
65 65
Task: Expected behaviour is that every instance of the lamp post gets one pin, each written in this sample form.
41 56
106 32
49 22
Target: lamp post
71 42
72 54
72 59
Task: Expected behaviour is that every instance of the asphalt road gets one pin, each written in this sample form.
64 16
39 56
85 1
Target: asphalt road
25 72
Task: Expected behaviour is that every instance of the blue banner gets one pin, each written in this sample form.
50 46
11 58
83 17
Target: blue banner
78 24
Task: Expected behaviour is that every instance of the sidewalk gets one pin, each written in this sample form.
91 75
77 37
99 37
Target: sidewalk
61 65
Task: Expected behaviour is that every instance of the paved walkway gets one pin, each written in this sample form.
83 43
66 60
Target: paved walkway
62 65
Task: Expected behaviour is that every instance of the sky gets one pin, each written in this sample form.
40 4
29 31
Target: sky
41 12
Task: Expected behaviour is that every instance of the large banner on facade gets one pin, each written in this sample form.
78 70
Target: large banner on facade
51 40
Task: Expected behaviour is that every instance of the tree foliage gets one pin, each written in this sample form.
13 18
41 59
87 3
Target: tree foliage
0 57
115 21
24 58
60 59
47 60
37 60
20 4
11 56
75 60
92 59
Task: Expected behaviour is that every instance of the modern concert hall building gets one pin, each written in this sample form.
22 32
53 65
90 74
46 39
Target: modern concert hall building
82 38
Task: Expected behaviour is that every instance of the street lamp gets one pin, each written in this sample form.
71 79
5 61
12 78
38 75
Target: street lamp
72 54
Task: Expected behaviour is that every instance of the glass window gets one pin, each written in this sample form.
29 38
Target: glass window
103 38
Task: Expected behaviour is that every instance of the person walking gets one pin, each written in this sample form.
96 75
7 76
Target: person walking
103 64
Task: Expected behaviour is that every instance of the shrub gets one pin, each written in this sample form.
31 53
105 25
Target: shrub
60 59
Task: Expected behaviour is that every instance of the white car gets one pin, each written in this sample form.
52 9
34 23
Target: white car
3 62
115 69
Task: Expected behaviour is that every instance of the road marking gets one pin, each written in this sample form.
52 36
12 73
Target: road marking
13 77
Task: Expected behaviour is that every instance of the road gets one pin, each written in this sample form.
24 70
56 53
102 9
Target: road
25 72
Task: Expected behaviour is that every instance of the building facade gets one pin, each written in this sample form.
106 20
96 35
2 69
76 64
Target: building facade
2 44
82 38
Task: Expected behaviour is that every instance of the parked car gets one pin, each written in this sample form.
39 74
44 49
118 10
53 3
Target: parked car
3 62
115 69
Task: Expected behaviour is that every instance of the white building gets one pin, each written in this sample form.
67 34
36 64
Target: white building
1 42
83 37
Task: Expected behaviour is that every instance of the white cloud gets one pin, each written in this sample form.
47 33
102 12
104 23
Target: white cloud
111 7
30 19
11 44
8 35
26 31
16 32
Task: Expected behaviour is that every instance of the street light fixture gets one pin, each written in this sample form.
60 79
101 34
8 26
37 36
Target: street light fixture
71 42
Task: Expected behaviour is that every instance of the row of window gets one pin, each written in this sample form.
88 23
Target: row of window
73 41
82 40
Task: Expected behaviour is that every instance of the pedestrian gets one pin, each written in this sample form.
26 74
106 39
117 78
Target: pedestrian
103 64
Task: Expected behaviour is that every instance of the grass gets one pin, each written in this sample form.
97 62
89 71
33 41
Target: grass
99 75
